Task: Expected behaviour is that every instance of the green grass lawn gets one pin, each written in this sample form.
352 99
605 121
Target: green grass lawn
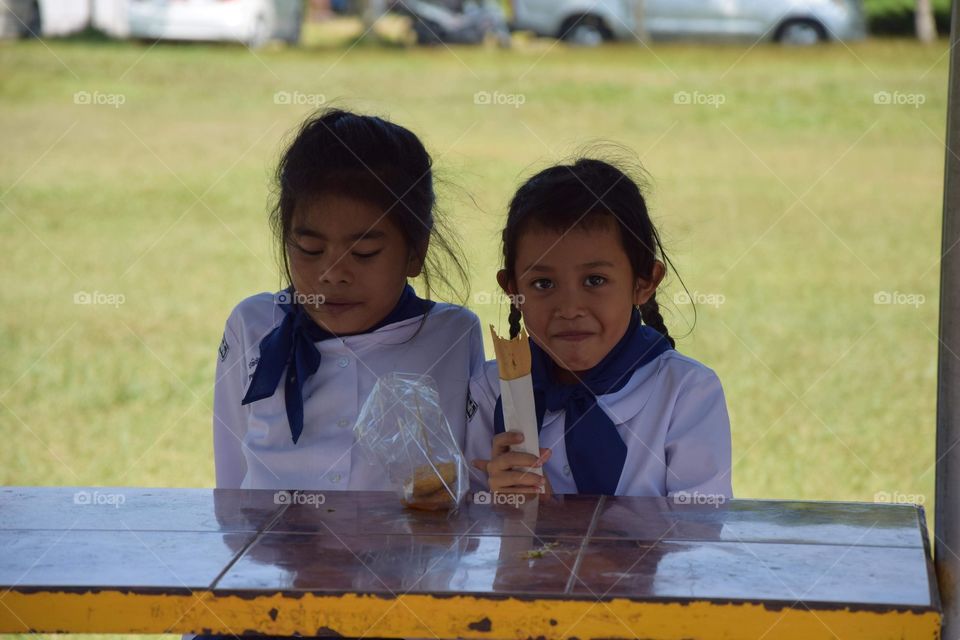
794 202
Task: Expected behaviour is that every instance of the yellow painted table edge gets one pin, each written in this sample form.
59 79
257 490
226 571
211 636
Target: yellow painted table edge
451 616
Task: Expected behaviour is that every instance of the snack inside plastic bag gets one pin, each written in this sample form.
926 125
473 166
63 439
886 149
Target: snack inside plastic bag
402 426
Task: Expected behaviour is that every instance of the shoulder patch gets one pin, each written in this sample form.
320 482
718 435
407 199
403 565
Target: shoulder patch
472 406
224 348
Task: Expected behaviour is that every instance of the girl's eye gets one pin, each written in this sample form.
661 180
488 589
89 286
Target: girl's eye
542 283
595 281
310 253
365 256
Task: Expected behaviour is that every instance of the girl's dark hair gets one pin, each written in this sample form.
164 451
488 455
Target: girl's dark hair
586 193
369 158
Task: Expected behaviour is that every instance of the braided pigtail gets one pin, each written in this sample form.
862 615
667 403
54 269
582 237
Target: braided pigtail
650 313
514 320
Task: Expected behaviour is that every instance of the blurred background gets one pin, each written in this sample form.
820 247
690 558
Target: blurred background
795 150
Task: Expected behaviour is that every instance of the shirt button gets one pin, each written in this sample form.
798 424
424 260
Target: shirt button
343 423
335 477
343 362
566 469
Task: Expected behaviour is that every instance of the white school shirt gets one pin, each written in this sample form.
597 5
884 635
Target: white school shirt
671 414
253 448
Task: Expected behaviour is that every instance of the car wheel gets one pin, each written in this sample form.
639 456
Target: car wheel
801 33
585 31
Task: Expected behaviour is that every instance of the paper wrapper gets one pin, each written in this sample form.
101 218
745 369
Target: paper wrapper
516 392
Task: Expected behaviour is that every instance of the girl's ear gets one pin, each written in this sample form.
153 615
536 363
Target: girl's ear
644 289
416 260
503 279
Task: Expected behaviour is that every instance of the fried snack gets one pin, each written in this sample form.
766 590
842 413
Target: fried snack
430 487
427 480
513 356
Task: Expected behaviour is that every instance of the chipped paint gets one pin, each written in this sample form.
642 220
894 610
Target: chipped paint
415 615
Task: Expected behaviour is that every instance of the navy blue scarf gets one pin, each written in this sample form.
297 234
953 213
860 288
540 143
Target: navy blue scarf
595 451
292 343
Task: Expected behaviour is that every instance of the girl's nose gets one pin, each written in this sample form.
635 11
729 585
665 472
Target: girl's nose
570 308
335 272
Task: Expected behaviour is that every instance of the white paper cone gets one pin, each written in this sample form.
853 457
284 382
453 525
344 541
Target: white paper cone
520 414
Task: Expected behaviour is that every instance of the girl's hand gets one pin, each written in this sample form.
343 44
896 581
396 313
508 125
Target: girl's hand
506 470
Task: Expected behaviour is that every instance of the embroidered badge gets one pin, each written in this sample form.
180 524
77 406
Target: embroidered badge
224 348
472 406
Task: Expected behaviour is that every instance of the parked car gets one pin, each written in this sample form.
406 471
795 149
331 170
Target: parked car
252 22
791 22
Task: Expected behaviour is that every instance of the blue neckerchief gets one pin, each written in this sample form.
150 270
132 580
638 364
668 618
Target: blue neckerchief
292 343
595 451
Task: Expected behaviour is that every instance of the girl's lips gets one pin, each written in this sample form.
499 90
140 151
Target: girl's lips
337 308
572 336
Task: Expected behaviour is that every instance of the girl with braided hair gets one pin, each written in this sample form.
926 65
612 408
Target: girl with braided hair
619 410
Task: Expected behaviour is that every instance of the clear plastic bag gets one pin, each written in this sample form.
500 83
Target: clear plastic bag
402 426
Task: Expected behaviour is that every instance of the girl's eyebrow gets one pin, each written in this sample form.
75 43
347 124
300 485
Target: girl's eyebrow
587 265
370 234
537 267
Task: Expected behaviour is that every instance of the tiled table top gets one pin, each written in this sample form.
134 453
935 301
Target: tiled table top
244 545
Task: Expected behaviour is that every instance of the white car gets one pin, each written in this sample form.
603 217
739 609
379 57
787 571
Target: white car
796 22
251 22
